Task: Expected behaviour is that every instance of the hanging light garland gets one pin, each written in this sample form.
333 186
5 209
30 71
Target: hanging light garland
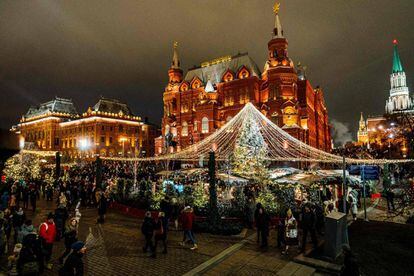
280 145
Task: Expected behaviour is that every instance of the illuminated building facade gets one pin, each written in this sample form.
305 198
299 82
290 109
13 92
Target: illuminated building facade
208 96
108 128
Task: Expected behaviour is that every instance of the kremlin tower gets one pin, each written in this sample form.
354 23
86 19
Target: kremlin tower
399 99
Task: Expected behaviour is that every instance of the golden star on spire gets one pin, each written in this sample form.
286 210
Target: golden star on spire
175 44
276 8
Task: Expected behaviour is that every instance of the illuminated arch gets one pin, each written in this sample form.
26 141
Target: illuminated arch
196 83
184 86
243 73
228 76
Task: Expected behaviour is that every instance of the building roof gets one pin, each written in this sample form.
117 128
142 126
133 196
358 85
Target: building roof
112 106
396 61
214 70
58 105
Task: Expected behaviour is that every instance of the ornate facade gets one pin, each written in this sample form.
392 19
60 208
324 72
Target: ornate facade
108 128
208 96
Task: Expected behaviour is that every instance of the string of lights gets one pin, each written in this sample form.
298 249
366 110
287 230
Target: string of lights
279 144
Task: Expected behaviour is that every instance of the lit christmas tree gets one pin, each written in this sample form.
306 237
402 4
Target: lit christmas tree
23 167
250 152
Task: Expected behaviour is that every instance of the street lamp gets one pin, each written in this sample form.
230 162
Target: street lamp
84 144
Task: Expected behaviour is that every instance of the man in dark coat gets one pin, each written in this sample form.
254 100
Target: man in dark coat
308 225
262 224
166 208
147 230
102 207
74 265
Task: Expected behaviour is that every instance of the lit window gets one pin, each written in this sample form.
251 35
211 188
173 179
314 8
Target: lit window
204 125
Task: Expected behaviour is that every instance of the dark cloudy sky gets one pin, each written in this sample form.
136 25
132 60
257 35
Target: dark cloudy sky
122 49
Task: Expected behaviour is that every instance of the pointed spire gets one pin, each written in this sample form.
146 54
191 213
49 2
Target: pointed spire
175 61
209 86
277 31
362 124
396 62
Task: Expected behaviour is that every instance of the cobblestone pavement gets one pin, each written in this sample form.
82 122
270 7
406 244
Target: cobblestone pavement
115 248
251 260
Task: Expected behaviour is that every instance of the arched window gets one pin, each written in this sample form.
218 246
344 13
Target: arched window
167 129
195 128
184 130
204 125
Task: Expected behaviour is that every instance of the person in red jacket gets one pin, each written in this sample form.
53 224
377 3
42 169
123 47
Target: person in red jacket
47 232
187 219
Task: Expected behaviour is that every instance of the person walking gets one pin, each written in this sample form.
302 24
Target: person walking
175 212
291 232
390 200
71 236
73 265
147 230
262 224
256 216
102 206
18 219
166 208
30 260
25 230
61 215
354 206
281 231
47 232
33 197
250 213
160 233
308 226
187 219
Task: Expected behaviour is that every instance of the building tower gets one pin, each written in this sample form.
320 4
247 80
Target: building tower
399 99
362 131
282 78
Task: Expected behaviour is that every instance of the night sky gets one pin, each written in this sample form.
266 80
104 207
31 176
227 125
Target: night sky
122 49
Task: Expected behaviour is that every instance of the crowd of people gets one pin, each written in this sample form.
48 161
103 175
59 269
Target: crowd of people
29 248
76 188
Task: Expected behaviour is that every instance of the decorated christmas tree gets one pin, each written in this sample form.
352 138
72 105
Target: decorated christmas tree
249 158
23 167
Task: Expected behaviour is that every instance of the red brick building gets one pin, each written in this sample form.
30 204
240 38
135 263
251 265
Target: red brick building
208 96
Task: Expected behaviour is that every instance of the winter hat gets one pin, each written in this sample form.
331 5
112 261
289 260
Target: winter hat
76 246
187 208
50 216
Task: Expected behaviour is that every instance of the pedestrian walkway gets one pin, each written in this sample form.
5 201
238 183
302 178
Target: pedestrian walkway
115 248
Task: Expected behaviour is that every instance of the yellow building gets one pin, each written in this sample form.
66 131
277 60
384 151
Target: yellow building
109 128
